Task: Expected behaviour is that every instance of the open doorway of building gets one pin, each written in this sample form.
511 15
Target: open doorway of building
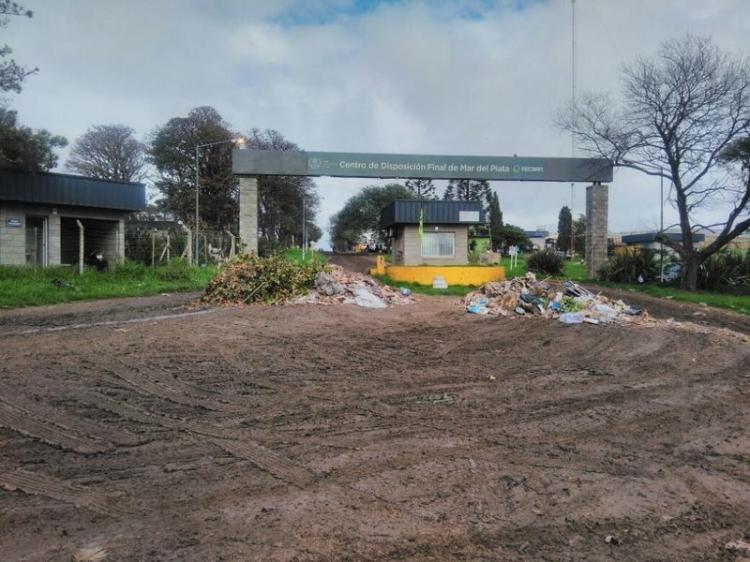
99 237
36 240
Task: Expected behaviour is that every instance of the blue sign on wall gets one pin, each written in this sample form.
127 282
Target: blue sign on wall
13 222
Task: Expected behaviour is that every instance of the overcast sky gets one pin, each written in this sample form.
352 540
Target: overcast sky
476 77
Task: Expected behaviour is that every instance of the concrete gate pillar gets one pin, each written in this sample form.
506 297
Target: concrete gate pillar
249 213
597 211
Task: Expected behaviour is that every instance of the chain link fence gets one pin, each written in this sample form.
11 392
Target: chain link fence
160 244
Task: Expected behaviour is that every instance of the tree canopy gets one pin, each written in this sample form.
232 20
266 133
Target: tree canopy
22 148
280 198
12 74
496 222
109 152
421 188
683 108
468 190
359 219
564 229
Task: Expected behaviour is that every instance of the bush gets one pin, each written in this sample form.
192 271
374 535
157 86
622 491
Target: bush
724 270
249 278
546 261
628 266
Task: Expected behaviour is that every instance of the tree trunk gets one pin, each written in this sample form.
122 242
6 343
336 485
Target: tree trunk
690 272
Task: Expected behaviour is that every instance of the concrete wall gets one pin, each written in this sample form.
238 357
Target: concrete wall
407 245
249 213
597 215
13 239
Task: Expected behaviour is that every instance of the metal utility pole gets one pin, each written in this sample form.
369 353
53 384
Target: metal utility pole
572 134
197 202
661 225
304 229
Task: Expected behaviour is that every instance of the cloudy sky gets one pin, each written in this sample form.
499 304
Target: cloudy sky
481 77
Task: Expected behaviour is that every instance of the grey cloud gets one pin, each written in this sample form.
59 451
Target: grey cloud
409 77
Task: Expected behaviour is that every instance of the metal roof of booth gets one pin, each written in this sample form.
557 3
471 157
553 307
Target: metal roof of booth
406 211
65 189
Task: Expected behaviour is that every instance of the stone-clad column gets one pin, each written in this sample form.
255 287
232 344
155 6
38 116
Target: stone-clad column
249 213
597 210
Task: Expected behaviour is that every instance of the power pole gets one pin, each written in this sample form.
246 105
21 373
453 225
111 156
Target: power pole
572 134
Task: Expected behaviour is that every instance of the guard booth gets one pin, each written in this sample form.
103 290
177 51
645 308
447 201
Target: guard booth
444 236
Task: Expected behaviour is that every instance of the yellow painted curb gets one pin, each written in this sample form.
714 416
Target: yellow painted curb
454 275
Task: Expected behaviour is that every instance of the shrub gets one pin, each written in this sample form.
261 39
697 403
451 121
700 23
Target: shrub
546 261
627 266
249 278
725 269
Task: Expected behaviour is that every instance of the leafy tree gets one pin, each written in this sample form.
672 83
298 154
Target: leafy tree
359 220
12 74
513 235
580 234
564 226
496 222
468 190
683 109
109 152
22 148
280 198
172 152
421 188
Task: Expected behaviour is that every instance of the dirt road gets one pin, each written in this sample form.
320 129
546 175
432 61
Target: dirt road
338 433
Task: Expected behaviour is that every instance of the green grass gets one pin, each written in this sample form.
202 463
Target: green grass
295 255
455 290
29 286
573 270
737 303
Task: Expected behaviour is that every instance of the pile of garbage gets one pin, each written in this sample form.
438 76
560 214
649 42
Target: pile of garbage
565 301
338 286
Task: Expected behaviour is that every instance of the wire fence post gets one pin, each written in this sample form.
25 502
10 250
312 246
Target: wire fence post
80 246
232 244
153 248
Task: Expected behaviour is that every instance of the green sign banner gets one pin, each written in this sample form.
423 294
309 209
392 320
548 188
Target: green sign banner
362 165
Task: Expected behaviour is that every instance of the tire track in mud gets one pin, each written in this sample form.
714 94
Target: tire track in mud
169 390
40 485
22 422
236 442
45 413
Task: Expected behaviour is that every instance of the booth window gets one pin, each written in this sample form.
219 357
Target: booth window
439 245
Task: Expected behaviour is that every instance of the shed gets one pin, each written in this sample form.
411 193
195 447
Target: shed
39 210
446 230
650 240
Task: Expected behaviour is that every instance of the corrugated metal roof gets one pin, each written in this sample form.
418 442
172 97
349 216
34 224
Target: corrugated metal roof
64 189
406 211
536 233
647 237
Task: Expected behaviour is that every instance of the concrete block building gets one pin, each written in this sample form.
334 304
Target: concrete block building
38 214
446 230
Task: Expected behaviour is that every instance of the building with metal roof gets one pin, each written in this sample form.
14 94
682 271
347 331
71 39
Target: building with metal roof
45 216
445 236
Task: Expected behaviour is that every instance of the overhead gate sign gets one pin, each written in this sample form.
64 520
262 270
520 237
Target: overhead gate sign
247 162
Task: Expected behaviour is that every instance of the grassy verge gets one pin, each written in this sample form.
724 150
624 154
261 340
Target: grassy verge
29 286
295 255
737 303
456 290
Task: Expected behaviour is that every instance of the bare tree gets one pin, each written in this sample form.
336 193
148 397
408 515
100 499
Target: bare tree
109 152
681 110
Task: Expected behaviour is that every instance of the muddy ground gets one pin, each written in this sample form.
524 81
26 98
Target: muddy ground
162 432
